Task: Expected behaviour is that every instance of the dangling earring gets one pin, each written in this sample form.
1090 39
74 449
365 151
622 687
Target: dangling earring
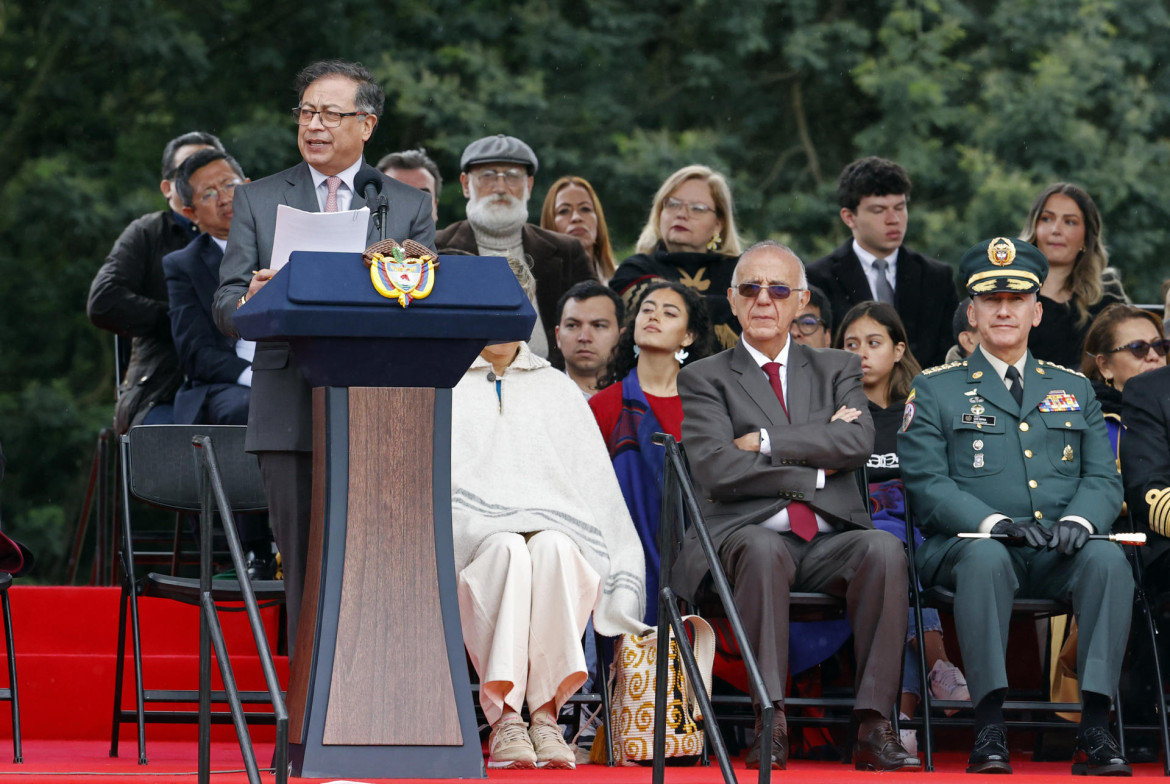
715 242
1109 382
637 351
681 355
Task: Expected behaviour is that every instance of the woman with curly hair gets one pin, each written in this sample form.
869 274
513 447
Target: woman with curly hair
1065 224
639 398
572 207
689 237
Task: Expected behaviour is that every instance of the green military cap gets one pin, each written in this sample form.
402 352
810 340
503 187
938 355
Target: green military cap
1001 264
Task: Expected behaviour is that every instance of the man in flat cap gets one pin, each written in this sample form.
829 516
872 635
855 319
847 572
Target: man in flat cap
497 176
1005 444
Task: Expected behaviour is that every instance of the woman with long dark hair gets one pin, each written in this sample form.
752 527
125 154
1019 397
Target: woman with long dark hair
639 397
1065 224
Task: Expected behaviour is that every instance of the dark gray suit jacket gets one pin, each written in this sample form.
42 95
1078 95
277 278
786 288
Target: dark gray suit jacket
726 396
280 418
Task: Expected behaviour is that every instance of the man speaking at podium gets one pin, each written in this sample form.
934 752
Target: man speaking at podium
339 107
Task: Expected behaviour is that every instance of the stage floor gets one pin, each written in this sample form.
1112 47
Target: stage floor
174 762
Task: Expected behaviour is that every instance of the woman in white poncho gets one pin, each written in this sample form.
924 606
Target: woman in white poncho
542 540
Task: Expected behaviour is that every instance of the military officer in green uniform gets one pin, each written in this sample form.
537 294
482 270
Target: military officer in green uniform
1006 444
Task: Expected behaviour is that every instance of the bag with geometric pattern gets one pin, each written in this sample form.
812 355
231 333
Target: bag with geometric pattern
632 676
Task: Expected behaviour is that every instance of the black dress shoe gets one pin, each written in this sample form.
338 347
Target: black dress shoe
990 754
1097 754
881 749
779 744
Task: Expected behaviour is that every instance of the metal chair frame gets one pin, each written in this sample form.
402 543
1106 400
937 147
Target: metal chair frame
680 507
11 694
943 599
204 491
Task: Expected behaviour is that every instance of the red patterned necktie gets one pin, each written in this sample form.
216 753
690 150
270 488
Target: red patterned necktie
331 200
800 517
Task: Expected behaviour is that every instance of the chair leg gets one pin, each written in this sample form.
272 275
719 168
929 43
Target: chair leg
603 688
17 753
139 692
119 669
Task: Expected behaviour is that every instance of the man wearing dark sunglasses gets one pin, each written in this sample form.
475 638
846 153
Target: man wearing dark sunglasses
774 431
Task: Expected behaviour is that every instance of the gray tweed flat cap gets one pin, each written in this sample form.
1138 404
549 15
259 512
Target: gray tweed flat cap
498 149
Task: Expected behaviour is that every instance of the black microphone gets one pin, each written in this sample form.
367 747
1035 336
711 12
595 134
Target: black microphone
368 182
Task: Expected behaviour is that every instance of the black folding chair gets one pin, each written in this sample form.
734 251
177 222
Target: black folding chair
10 694
680 509
161 467
1023 607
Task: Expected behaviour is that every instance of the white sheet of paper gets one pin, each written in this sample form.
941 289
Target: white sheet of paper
343 232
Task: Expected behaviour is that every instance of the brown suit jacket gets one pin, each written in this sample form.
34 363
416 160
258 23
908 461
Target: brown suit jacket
726 396
558 263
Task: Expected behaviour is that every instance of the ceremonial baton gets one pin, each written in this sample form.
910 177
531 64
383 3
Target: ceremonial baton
1132 539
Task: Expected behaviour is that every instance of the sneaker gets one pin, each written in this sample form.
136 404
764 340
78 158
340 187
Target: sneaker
551 750
909 737
947 683
509 746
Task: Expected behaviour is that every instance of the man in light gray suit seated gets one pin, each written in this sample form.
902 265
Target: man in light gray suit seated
774 431
339 107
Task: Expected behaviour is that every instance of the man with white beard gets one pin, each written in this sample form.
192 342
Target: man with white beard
497 176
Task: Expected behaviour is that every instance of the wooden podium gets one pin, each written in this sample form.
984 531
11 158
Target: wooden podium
379 686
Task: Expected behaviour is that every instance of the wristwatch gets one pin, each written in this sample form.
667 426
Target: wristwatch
243 298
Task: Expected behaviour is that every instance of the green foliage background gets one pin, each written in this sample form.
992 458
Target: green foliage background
984 101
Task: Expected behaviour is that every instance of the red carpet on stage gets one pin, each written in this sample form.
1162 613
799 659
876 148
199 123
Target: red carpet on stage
66 641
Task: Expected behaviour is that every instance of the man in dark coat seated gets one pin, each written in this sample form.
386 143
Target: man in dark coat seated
497 177
218 368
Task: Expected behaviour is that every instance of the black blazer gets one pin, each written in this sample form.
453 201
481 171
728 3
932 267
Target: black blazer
206 355
1145 458
925 296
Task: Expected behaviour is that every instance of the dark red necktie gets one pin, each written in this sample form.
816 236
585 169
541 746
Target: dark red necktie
800 516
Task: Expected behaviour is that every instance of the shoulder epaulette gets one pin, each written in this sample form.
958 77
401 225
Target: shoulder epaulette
948 366
1046 363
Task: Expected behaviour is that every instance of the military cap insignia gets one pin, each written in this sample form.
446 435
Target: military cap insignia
1001 252
403 272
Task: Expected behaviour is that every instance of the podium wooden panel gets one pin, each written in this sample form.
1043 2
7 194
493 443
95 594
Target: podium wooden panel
379 684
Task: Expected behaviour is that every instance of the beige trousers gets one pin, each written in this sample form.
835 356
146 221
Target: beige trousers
523 603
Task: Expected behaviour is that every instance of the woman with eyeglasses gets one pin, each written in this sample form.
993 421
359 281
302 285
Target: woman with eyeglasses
1065 224
1124 341
874 331
639 397
689 237
572 207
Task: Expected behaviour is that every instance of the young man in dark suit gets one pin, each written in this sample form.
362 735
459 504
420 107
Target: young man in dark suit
874 195
339 107
774 431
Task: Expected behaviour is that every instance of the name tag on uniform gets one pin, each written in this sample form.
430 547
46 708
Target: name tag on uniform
978 419
1059 401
